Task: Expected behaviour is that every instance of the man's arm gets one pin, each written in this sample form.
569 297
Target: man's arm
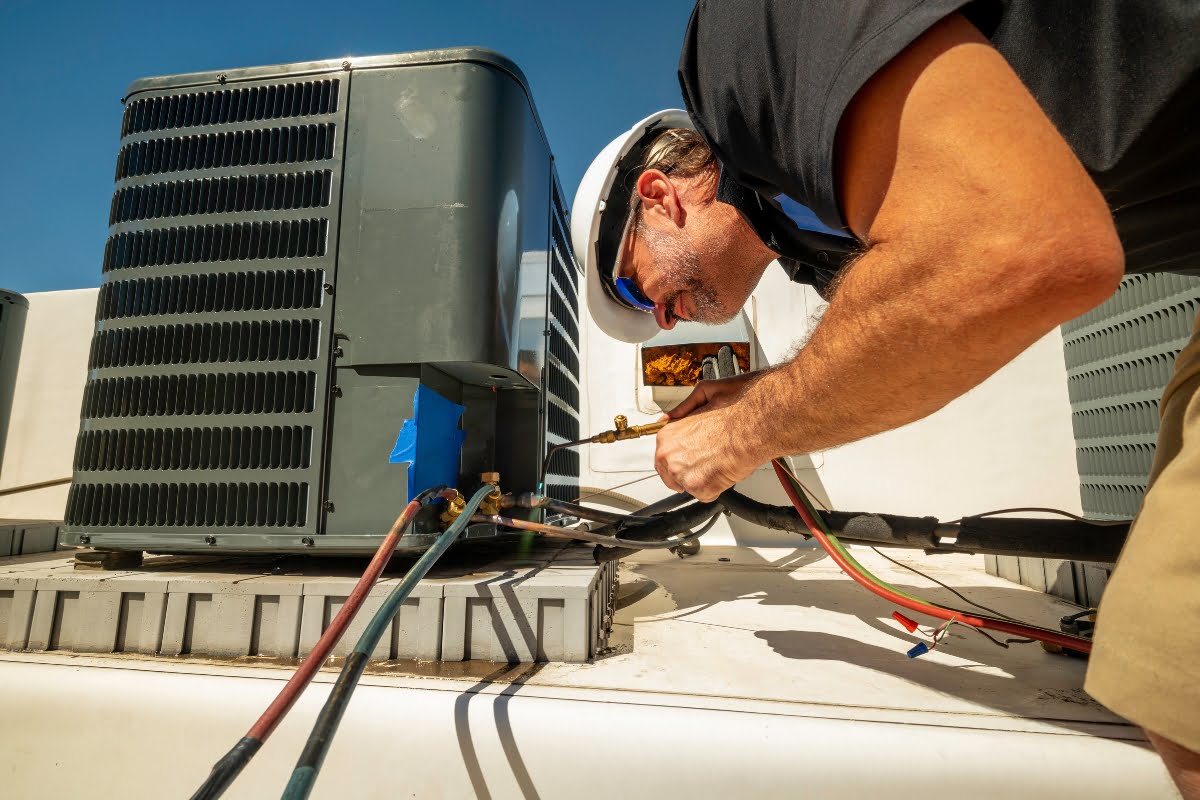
983 233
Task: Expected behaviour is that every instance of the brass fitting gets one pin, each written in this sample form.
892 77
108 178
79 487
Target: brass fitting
622 430
454 508
491 504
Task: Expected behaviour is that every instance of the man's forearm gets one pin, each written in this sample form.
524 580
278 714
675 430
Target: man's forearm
895 345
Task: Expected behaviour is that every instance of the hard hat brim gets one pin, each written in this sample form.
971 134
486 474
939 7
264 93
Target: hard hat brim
601 210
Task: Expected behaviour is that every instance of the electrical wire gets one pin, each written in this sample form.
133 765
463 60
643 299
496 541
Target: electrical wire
226 770
863 577
1099 523
593 491
308 766
553 451
950 589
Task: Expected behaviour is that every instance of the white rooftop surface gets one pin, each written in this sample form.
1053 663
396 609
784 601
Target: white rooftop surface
769 674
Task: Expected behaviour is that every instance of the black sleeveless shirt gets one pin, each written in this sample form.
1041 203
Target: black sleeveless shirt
767 82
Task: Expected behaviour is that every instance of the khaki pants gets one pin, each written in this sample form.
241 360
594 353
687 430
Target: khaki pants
1146 661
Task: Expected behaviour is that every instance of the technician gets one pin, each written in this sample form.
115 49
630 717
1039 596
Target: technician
957 179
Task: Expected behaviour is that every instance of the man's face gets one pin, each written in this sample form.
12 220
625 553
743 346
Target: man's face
691 271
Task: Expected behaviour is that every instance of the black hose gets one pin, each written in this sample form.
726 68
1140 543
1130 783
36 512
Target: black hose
652 534
669 503
604 553
1036 538
228 768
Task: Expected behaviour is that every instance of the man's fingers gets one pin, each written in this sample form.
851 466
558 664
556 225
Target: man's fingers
697 398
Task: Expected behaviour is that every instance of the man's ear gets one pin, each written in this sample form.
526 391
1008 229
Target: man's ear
660 197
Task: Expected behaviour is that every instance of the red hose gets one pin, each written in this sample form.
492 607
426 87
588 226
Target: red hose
312 662
1027 631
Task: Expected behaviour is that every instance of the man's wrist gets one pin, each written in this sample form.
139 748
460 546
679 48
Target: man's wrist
753 429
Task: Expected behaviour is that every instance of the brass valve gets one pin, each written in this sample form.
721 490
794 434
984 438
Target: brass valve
454 508
622 430
491 503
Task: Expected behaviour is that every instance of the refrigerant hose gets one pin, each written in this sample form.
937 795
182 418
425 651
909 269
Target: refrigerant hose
226 770
308 767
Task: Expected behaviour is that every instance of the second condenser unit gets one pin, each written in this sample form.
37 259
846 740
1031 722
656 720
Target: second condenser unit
325 284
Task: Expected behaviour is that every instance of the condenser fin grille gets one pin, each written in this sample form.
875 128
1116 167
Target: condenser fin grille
201 394
310 98
277 447
231 194
561 377
208 293
206 343
244 148
172 505
205 405
237 241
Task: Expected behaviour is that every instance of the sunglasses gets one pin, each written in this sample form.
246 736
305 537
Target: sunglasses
629 295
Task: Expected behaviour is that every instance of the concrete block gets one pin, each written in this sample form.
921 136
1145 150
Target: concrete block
1009 568
287 628
536 608
38 539
16 611
175 622
1033 573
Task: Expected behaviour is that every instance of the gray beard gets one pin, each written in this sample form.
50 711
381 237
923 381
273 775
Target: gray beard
681 268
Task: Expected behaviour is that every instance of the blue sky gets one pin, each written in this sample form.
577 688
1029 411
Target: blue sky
594 68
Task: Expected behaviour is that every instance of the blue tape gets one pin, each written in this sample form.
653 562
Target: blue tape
430 443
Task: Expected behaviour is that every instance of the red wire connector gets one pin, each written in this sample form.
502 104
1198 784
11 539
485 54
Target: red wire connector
908 624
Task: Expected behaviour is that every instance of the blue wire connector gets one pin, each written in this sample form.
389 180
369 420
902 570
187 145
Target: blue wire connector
919 650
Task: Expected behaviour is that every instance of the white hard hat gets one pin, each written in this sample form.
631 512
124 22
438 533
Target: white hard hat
601 217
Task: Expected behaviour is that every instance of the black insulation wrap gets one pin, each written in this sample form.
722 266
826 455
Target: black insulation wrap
227 769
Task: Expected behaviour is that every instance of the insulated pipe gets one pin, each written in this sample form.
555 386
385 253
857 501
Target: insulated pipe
1035 538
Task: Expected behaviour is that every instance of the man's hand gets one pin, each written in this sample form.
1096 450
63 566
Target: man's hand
703 454
713 394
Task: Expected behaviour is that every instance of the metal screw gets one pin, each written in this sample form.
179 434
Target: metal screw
222 77
210 540
328 287
327 505
336 391
85 539
338 352
307 541
346 65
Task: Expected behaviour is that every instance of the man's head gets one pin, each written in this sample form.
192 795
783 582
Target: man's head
692 257
654 243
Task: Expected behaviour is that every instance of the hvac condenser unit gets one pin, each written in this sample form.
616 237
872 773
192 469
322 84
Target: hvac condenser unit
325 284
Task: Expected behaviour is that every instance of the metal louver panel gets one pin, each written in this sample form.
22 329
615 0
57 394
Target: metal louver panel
234 193
205 407
1119 357
561 379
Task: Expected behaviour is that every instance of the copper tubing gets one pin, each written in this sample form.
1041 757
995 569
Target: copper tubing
588 536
